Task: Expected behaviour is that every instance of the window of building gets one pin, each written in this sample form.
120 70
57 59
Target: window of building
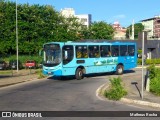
83 20
81 51
105 50
94 51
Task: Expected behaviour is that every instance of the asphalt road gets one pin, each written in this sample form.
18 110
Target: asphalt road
60 95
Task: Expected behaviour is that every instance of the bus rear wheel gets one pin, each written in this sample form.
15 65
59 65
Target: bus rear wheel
79 74
119 70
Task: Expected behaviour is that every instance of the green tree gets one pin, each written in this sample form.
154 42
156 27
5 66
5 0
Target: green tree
7 26
68 29
99 30
37 24
138 27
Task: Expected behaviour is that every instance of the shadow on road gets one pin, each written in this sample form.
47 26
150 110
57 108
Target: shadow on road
66 78
129 71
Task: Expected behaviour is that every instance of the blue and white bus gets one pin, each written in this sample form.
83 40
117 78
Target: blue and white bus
81 58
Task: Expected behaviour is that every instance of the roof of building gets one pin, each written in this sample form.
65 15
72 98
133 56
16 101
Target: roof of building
148 19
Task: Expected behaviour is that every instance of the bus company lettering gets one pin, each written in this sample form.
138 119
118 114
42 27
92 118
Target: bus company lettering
107 61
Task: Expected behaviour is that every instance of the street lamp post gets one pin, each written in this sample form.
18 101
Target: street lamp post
143 59
17 35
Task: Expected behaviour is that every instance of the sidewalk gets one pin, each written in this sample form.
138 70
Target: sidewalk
134 97
135 93
145 66
14 77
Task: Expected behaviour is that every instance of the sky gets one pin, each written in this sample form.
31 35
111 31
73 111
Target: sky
123 11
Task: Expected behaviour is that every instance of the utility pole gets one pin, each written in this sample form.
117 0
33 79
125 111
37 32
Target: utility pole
17 35
132 30
143 32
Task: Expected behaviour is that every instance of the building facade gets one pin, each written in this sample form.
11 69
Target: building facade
85 19
156 27
120 32
152 24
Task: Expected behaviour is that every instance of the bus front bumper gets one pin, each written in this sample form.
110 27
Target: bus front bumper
53 73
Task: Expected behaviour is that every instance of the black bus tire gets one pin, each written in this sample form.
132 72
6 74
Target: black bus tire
79 74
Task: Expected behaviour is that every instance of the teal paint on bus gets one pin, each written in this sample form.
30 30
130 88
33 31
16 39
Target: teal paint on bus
60 58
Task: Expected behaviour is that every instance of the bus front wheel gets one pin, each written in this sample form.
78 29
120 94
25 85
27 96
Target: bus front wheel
79 74
119 70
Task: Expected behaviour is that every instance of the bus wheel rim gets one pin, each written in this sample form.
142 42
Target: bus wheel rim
80 73
120 70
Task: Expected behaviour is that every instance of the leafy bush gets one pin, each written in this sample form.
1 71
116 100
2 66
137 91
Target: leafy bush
139 61
116 91
155 86
152 71
154 75
139 51
149 61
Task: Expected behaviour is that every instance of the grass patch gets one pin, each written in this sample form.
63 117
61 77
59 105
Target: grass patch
5 72
40 74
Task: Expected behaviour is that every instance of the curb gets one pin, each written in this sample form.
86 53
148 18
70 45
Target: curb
140 102
145 67
98 92
19 82
101 89
14 83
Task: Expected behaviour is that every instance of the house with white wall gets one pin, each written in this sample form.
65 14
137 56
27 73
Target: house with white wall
85 19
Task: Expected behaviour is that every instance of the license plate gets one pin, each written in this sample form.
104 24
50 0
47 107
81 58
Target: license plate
49 73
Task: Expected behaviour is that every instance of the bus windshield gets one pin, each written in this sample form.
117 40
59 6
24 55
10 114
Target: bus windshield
52 56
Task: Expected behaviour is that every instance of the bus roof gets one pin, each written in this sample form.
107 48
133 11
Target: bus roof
106 42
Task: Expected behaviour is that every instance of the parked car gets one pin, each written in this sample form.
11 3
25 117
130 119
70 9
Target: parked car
13 64
30 64
3 65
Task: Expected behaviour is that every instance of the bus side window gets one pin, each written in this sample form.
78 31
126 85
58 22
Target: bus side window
78 51
131 50
81 51
85 52
123 50
115 50
94 51
105 50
